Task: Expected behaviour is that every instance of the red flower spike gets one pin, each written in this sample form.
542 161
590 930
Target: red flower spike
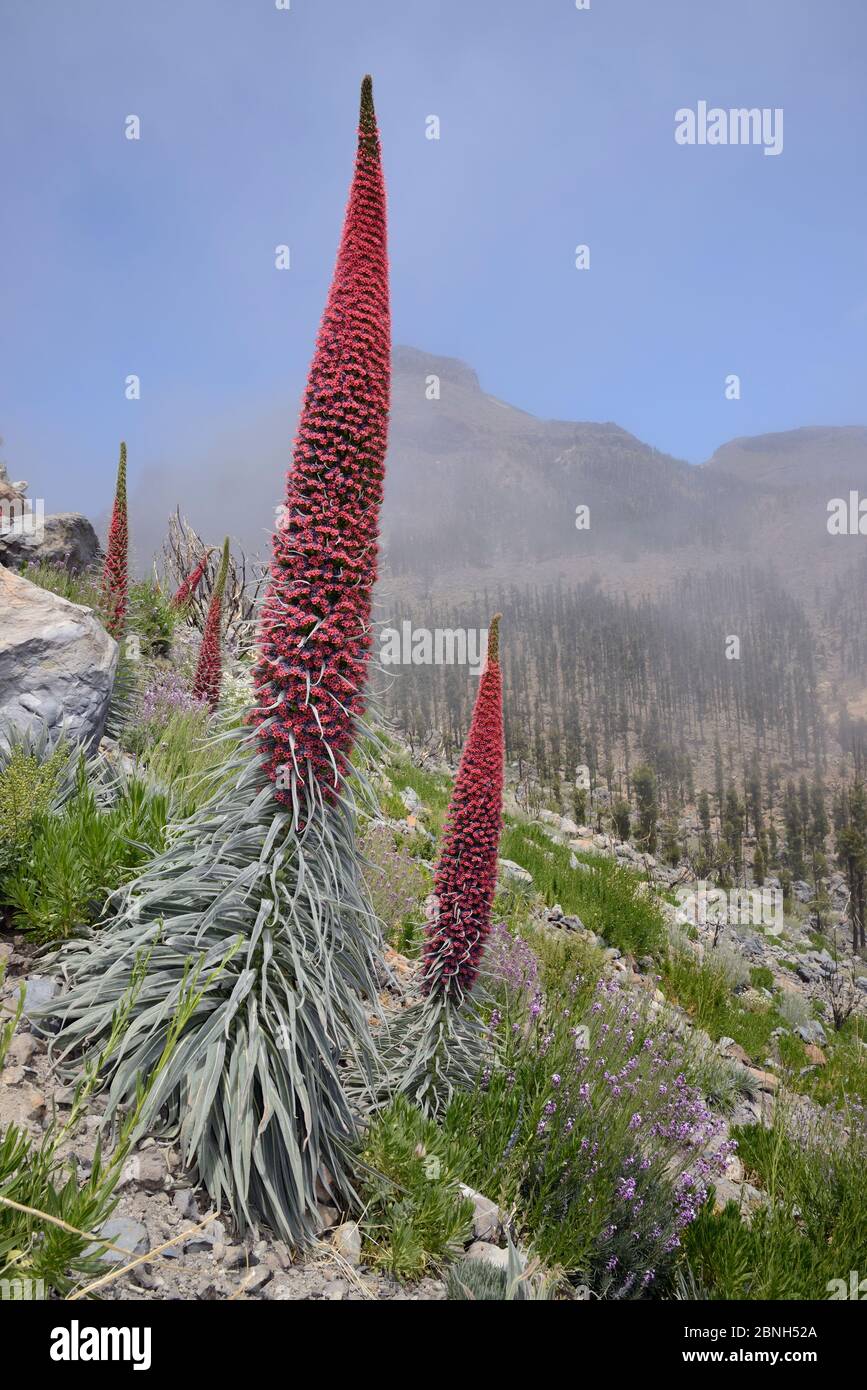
466 875
314 633
115 575
209 671
192 581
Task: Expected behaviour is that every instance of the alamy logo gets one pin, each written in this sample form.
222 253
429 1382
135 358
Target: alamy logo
856 1288
737 907
847 518
440 646
21 1290
737 126
77 1343
23 516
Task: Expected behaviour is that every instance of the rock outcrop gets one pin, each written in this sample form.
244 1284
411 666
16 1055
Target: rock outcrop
67 540
57 664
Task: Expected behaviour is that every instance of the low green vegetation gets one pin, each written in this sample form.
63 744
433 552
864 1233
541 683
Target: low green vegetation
813 1229
609 899
77 588
78 854
415 1218
703 988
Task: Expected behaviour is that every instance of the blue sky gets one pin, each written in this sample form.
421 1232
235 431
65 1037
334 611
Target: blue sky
156 257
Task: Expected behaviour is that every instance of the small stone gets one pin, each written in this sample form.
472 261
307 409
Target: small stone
281 1289
763 1080
130 1236
347 1241
282 1253
146 1170
411 800
184 1200
488 1220
21 1049
509 869
327 1217
491 1254
334 1290
734 1169
41 989
255 1279
204 1240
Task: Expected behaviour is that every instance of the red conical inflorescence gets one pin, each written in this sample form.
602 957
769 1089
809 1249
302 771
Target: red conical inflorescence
115 571
192 582
315 628
466 876
209 670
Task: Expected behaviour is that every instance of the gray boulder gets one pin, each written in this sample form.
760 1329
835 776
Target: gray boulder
812 1032
67 540
57 664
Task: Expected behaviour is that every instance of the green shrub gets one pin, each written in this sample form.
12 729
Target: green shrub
414 1215
151 618
591 1146
81 854
761 977
29 781
814 1229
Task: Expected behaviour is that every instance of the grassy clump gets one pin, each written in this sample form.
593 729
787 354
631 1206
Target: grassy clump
29 781
180 752
77 588
78 855
761 977
814 1228
415 1218
608 898
432 788
703 989
474 1280
47 1213
843 1078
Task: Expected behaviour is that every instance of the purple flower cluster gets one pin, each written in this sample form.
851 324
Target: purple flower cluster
621 1145
164 696
510 961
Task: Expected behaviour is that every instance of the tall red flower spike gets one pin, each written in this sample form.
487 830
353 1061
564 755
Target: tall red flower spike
466 876
315 628
192 581
115 571
209 670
